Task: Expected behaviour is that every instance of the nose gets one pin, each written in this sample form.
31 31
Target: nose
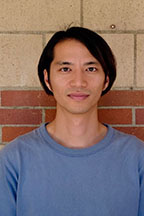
78 79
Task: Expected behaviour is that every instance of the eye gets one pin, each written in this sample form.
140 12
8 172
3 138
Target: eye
91 69
65 69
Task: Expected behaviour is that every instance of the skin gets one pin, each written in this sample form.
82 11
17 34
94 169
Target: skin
77 81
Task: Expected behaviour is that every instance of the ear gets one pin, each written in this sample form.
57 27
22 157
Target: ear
106 83
46 80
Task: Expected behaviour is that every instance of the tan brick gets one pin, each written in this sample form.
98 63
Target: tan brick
123 49
126 14
36 15
140 61
19 55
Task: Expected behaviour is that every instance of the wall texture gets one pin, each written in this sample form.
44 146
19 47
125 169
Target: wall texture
25 27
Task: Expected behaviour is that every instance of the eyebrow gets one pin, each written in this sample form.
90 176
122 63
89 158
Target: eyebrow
70 63
64 63
92 63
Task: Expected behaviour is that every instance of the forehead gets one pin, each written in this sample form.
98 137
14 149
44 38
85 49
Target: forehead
71 48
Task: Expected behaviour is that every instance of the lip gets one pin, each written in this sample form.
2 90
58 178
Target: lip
78 96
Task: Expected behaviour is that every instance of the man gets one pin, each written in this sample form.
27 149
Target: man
74 165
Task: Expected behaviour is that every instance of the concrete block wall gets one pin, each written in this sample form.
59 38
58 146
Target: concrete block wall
26 26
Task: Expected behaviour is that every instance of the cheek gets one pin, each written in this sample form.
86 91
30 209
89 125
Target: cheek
98 83
57 87
58 82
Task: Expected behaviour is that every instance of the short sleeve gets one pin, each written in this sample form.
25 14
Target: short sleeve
141 181
8 186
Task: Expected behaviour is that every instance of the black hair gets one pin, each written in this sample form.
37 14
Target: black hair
96 45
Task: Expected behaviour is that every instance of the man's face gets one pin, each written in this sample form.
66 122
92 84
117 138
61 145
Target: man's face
76 78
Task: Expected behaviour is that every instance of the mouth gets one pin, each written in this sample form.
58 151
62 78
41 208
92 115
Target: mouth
78 96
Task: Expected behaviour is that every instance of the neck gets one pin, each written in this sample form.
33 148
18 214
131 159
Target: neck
76 131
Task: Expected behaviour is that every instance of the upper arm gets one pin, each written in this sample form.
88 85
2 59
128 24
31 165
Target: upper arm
8 187
141 182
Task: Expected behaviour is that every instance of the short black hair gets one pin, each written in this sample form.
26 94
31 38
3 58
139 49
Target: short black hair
96 45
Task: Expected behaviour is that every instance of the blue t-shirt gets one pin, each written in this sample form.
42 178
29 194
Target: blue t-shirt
39 177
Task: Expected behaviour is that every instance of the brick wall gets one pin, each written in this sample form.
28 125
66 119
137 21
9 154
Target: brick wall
26 26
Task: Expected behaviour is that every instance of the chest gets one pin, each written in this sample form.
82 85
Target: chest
83 186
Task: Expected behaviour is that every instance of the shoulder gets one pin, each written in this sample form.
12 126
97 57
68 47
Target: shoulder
129 148
127 139
128 143
21 144
23 150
